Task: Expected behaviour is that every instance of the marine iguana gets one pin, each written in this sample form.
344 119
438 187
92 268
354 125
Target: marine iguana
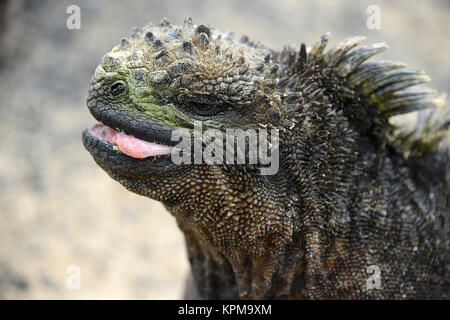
354 193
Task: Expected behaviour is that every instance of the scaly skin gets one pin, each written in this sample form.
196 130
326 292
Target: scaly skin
351 191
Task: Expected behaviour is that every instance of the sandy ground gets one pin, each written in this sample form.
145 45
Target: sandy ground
57 208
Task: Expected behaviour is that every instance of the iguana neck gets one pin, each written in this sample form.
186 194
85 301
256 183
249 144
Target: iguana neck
263 237
309 236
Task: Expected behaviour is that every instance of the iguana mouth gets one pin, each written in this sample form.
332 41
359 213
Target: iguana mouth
128 144
124 154
126 136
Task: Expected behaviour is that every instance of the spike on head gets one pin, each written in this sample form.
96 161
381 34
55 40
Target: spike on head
165 22
157 44
202 40
302 58
319 47
203 29
149 37
124 43
244 39
187 22
187 47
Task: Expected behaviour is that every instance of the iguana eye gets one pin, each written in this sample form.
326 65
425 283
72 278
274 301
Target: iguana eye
202 105
117 88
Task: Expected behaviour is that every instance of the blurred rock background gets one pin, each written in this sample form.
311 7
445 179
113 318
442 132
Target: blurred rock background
57 208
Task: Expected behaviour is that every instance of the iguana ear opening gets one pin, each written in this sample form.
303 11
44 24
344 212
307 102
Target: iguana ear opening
390 89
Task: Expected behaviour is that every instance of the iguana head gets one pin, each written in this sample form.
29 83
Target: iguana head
166 78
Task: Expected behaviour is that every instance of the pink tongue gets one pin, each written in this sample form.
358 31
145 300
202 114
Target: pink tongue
129 145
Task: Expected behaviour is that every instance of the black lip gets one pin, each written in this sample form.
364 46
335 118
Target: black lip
131 123
109 158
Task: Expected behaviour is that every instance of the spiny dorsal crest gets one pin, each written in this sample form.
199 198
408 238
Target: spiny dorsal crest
390 87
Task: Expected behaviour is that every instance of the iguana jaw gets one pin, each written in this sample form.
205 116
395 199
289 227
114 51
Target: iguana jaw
125 143
131 146
113 161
